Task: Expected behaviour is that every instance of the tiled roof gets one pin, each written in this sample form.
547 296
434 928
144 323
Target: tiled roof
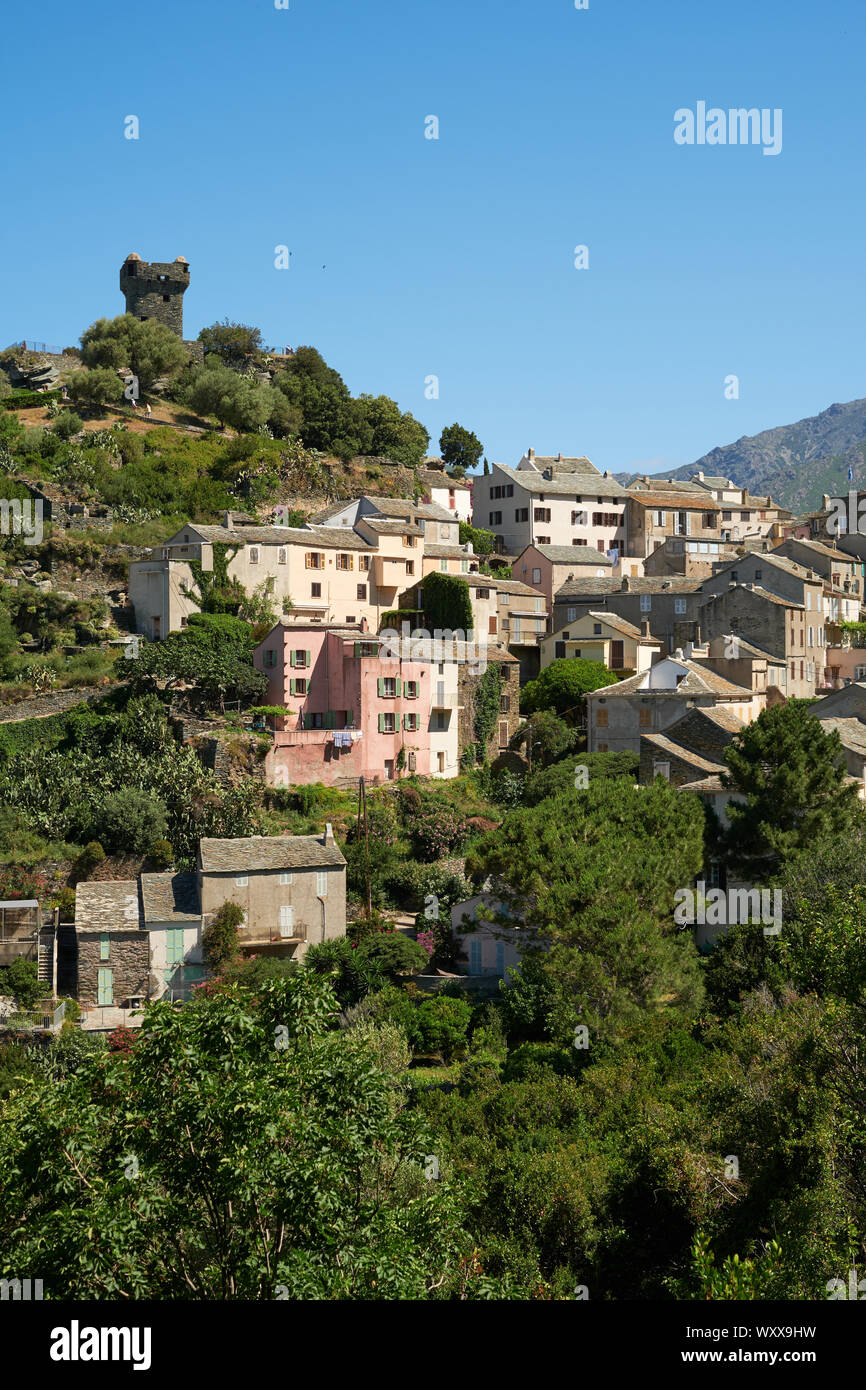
584 485
572 555
267 852
686 501
821 549
656 584
170 897
104 905
454 551
390 527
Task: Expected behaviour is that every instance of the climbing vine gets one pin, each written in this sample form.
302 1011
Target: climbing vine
217 592
488 699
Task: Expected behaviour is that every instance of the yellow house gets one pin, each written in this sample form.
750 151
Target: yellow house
604 637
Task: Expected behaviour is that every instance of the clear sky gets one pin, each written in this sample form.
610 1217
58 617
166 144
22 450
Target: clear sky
454 258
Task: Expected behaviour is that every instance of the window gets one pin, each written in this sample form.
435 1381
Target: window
596 629
410 566
474 956
299 686
645 718
386 723
411 690
521 514
578 518
301 658
572 614
242 880
536 576
322 883
464 566
315 560
413 762
174 946
504 704
254 555
541 514
388 687
542 540
285 878
601 719
270 659
443 566
361 592
662 770
560 650
315 591
410 540
495 519
679 605
410 722
660 518
503 733
165 298
811 634
646 603
509 490
606 518
104 945
364 562
281 555
345 562
441 721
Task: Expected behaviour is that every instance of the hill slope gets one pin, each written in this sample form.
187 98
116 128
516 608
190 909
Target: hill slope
796 463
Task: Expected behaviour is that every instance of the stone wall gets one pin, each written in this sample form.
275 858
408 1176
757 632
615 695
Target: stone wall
510 696
39 706
149 296
128 958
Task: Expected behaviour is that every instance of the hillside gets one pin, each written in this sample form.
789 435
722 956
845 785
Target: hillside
796 463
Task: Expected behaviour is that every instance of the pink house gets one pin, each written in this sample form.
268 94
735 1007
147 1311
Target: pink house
354 711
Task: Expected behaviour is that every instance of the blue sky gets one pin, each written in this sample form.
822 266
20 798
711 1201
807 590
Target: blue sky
454 257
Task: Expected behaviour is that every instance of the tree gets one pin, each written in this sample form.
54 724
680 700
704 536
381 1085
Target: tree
546 739
594 873
486 469
147 348
273 1157
231 341
213 655
235 400
130 820
97 387
791 777
21 979
483 542
220 942
459 448
560 777
563 684
395 435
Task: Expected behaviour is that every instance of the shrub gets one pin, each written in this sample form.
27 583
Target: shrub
21 980
219 940
68 424
132 820
161 854
443 1023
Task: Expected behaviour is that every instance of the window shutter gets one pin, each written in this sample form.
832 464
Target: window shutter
292 689
357 650
408 721
309 658
321 561
292 661
330 719
381 723
381 687
398 686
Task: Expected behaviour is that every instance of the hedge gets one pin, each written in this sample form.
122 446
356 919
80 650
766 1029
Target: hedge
22 400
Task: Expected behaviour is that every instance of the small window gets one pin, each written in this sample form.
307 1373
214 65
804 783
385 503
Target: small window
363 562
596 629
104 945
242 880
601 718
645 718
410 566
298 686
166 298
679 605
345 562
646 603
254 555
285 879
281 555
536 576
315 591
270 659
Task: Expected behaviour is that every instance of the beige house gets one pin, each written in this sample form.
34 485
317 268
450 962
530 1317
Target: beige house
693 559
551 500
548 567
743 518
292 889
661 508
618 716
452 494
605 637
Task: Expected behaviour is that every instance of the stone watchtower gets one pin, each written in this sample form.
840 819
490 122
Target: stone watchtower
154 289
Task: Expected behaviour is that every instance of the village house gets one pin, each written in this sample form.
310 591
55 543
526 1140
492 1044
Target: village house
691 559
670 607
618 716
659 508
742 663
357 706
744 518
452 494
438 525
548 567
551 500
605 637
778 625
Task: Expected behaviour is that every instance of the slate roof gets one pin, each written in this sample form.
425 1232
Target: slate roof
704 784
170 897
570 463
431 477
341 538
699 680
571 555
267 852
655 584
821 549
388 526
749 648
668 485
452 551
507 586
623 625
851 731
706 481
668 502
686 755
583 485
102 905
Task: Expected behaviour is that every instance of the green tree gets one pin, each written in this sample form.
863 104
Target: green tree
148 349
98 387
788 781
483 542
130 820
395 435
220 943
231 341
459 448
545 739
563 684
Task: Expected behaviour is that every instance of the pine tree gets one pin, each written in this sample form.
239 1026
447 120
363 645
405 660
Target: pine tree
791 778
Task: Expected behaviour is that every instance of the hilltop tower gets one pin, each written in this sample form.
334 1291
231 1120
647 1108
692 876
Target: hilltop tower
154 289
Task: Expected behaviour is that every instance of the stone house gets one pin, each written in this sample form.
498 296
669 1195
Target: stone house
775 624
618 716
670 607
687 557
660 508
508 720
551 500
114 967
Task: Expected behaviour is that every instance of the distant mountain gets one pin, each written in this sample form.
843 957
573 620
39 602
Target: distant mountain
795 464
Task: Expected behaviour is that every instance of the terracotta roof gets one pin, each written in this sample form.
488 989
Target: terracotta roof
108 905
267 852
170 897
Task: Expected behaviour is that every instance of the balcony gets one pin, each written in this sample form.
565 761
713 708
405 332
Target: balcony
262 938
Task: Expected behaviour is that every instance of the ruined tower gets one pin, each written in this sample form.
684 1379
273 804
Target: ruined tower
154 289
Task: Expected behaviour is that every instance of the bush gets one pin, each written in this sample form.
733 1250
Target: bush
161 854
24 400
219 940
442 1024
99 387
21 980
68 424
132 820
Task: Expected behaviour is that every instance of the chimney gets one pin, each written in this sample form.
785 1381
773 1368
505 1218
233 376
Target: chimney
700 476
645 627
227 520
559 457
530 453
328 837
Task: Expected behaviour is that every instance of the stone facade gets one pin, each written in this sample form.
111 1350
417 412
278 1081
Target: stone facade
508 720
128 959
155 290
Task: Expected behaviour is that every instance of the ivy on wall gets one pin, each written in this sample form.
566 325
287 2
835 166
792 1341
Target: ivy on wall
217 593
447 604
488 699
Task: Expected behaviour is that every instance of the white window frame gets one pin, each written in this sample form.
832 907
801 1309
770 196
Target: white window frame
321 883
285 878
242 880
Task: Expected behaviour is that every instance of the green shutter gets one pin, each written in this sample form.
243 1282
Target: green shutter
292 661
398 688
412 694
105 987
330 719
381 723
292 690
357 650
309 658
408 721
381 685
